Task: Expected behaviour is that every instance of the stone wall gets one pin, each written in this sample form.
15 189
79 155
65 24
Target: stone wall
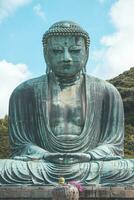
44 193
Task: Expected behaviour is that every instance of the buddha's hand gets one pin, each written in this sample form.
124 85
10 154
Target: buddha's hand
54 157
28 157
31 153
80 157
66 158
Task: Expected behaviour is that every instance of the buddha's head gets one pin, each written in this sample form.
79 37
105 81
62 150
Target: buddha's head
66 48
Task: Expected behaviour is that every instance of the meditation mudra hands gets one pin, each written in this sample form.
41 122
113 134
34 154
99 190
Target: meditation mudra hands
65 158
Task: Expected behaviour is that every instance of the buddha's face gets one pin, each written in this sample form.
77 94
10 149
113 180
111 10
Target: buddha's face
66 55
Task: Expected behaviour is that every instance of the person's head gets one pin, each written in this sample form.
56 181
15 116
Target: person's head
66 47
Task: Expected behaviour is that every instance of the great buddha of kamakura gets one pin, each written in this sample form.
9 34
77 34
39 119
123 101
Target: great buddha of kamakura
66 123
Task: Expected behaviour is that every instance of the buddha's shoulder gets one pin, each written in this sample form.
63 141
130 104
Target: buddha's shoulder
100 84
97 81
30 84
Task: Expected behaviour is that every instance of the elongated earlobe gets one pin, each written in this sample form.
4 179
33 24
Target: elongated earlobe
84 70
48 69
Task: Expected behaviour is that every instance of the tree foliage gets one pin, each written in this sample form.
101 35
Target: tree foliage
4 140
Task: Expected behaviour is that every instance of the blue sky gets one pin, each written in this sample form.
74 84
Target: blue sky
23 22
21 34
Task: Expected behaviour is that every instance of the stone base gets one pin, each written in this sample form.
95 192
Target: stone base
27 192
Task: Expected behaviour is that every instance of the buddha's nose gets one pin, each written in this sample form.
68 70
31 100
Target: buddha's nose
67 57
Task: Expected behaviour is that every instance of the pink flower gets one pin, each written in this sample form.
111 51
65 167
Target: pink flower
77 184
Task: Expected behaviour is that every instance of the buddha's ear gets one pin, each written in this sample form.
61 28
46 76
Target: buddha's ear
86 57
45 57
45 53
47 69
85 61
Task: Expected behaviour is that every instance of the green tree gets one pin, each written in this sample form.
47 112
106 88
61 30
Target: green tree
4 140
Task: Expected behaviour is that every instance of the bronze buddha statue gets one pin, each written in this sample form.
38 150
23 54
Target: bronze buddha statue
66 123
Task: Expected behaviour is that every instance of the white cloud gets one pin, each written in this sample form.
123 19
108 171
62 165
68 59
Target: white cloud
117 54
39 11
8 7
10 76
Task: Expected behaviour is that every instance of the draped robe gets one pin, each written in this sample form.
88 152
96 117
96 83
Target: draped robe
102 135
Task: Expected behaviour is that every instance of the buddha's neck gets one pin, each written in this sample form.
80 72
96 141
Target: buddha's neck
64 82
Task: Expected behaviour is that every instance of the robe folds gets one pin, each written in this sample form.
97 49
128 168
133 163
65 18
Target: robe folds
30 132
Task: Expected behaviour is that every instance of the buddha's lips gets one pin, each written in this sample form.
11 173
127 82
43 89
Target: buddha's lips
68 63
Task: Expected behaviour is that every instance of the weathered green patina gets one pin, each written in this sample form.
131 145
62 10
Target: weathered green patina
66 123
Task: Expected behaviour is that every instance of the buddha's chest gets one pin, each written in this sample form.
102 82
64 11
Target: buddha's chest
67 111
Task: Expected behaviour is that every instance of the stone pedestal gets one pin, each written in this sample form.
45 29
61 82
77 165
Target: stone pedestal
66 192
28 192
